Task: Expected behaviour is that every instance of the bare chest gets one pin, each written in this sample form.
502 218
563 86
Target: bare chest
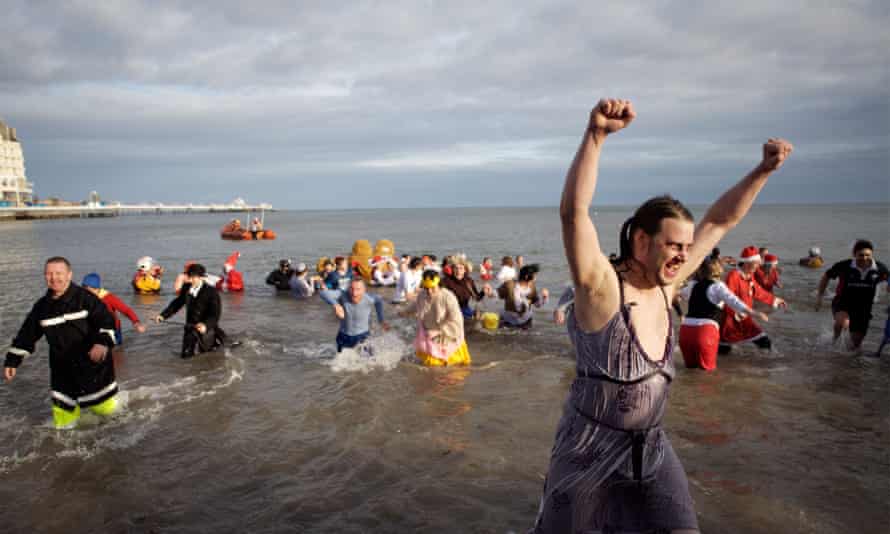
650 322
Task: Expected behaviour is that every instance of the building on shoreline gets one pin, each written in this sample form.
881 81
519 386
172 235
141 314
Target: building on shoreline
15 189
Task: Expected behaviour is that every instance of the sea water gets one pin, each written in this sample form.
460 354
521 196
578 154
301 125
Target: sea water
282 434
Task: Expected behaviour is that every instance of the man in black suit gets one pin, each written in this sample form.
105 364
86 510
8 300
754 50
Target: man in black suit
202 312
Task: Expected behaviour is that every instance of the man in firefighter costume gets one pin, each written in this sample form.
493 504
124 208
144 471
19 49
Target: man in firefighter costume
80 332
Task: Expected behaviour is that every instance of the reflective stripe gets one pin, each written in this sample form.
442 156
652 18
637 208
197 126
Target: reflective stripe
82 314
64 399
19 352
110 334
93 396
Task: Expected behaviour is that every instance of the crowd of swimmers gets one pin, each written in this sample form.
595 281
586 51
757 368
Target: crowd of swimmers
442 296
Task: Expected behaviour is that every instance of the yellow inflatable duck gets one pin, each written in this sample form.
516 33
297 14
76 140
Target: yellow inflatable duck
360 259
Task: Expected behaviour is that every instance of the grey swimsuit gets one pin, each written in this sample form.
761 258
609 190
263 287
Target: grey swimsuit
612 469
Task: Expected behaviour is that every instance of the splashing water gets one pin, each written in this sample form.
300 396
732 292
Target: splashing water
378 352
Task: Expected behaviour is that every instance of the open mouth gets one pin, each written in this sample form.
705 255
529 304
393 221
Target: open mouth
672 267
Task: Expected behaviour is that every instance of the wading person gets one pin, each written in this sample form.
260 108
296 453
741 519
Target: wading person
521 297
440 325
463 287
858 279
202 312
741 328
93 284
280 278
354 308
709 299
80 332
612 467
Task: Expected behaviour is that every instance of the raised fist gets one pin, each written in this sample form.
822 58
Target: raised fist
611 115
774 153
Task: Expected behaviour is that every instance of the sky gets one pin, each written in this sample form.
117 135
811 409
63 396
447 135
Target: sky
341 105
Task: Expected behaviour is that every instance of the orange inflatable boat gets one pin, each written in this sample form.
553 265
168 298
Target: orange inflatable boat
244 235
236 232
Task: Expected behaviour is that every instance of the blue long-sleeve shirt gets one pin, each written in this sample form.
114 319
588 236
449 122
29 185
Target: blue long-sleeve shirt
358 316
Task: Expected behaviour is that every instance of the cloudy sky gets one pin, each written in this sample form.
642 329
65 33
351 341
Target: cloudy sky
421 103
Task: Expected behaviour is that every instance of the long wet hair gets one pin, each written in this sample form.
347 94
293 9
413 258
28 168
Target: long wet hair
710 269
648 218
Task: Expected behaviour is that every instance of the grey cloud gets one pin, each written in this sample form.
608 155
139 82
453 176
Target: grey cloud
220 92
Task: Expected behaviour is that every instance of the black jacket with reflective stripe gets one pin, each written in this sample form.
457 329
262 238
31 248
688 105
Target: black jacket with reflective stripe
72 324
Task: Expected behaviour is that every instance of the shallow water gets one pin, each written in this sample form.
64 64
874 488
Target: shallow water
282 435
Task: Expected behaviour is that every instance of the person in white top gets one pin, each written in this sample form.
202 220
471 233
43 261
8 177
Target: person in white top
507 272
409 281
700 329
521 298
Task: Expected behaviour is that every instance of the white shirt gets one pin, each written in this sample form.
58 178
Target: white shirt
408 283
718 294
196 288
506 273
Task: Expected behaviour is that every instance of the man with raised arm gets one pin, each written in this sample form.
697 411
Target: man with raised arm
612 468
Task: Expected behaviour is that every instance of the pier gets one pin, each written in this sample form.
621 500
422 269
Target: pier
118 209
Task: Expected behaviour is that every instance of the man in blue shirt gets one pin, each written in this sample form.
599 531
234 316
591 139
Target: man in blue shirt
353 308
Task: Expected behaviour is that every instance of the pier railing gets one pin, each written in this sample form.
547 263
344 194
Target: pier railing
117 209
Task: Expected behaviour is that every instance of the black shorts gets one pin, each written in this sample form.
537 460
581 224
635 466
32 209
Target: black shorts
859 317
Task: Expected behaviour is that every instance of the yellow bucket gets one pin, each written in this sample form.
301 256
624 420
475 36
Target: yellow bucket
490 321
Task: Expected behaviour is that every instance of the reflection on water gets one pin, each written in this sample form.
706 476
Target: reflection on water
282 434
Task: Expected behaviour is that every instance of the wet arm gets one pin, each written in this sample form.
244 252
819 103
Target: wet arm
587 263
733 205
718 292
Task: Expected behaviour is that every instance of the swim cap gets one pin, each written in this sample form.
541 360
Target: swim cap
92 280
815 251
145 263
300 268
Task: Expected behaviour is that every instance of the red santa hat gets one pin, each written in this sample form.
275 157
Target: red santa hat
750 255
770 259
231 261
